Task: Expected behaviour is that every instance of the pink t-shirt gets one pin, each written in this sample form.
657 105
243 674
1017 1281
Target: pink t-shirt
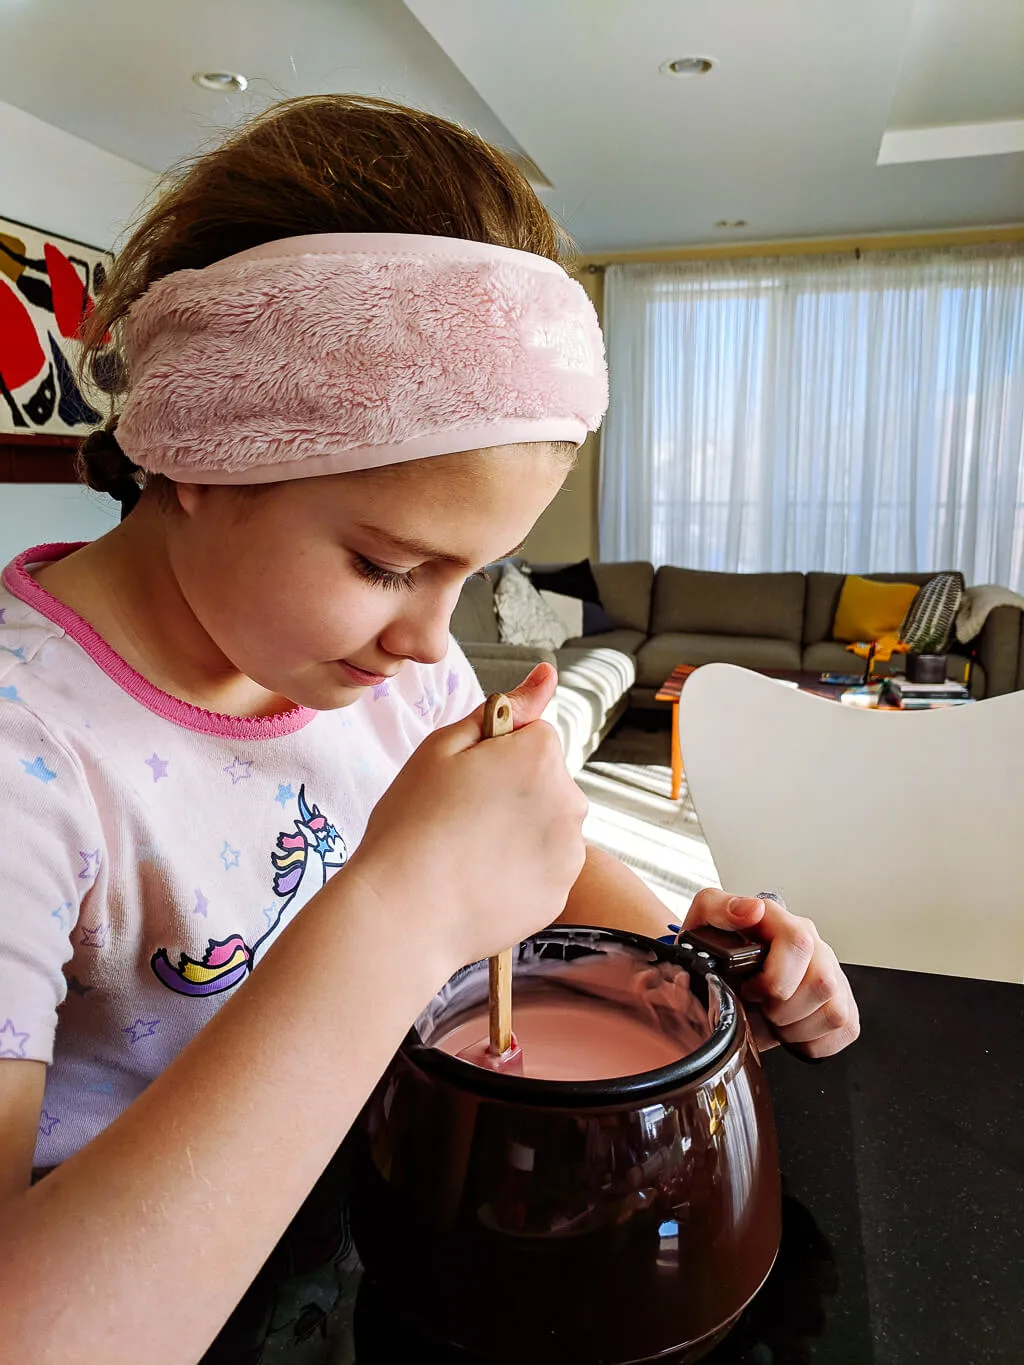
151 851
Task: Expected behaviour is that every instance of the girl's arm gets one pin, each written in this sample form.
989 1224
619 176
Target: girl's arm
152 1232
801 989
167 1215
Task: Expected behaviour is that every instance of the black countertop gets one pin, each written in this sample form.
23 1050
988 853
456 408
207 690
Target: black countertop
903 1206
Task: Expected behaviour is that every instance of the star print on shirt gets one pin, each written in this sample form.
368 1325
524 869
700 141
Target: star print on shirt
202 904
9 693
229 856
423 706
381 691
12 1043
47 1123
37 768
142 1028
18 653
90 864
158 765
94 937
238 771
59 914
284 794
453 682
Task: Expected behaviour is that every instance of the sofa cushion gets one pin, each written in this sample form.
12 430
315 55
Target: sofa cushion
823 590
473 617
592 685
871 610
627 641
661 653
574 580
603 674
568 609
697 602
578 733
626 592
524 618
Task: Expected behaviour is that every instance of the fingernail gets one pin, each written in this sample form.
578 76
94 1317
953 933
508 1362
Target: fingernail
742 907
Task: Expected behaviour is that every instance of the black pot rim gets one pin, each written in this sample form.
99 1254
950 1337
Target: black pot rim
614 1090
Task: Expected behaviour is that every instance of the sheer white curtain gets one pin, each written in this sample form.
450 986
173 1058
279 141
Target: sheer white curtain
818 413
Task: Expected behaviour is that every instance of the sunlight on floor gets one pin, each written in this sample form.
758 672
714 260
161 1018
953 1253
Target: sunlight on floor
632 816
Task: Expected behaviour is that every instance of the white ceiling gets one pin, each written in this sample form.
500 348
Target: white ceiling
119 72
784 132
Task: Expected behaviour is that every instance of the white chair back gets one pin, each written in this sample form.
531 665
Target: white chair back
901 834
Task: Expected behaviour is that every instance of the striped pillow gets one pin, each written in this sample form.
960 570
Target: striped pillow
928 625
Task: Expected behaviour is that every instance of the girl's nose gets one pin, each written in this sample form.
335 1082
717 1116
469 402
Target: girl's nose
420 633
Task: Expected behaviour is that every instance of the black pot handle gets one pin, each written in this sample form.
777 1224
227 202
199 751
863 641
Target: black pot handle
735 958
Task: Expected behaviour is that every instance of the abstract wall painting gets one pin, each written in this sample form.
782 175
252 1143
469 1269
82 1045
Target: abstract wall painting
47 288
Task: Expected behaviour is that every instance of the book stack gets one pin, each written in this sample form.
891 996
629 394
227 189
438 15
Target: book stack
910 696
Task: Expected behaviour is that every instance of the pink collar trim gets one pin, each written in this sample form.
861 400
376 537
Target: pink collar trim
17 580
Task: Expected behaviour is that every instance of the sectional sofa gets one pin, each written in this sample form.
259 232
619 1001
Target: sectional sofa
674 615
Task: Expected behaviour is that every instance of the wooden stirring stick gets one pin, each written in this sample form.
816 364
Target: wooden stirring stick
497 722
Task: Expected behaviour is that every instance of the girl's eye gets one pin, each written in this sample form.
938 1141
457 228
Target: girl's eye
383 578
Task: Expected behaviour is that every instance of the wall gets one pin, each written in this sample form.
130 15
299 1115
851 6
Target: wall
52 180
568 529
34 513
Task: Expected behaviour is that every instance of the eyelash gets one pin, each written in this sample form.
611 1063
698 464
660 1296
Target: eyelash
384 578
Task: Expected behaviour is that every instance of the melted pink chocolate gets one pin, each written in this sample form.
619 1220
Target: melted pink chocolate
568 1037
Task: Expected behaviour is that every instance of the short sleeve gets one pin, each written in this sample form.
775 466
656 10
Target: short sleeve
50 855
462 692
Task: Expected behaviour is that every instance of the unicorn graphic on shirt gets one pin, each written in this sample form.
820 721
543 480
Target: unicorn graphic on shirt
303 860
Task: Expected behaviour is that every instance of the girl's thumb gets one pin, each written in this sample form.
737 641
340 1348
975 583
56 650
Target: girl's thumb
533 694
528 702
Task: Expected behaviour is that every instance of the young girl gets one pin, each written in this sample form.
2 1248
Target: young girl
355 374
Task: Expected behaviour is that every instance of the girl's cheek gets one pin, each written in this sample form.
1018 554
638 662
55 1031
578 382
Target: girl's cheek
361 617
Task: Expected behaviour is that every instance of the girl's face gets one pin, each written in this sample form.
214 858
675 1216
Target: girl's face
319 588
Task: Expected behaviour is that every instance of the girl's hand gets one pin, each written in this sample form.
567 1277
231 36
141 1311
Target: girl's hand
477 842
801 989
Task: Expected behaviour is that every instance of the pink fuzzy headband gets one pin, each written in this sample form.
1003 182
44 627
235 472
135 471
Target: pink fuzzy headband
341 351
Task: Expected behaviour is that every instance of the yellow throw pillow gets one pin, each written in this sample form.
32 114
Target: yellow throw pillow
868 610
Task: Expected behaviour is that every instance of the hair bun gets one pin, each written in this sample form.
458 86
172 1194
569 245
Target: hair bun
104 466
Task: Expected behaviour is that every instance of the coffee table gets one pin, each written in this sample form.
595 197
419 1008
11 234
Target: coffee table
672 687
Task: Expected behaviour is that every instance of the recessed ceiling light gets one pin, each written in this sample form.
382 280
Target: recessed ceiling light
731 223
225 82
687 66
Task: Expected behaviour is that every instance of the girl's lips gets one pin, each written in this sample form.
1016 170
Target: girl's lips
360 676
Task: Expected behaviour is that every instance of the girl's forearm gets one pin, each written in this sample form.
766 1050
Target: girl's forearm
166 1216
608 894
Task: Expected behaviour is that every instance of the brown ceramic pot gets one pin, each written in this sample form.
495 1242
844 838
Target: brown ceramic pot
545 1221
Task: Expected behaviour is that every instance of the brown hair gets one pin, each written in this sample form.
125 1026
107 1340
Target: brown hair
320 163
